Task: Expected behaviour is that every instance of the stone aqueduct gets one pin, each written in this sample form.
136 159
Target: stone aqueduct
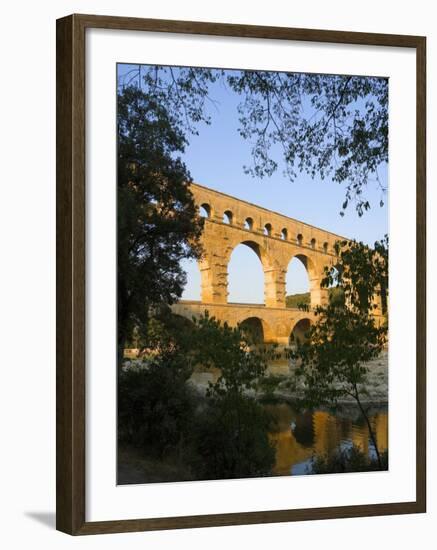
276 239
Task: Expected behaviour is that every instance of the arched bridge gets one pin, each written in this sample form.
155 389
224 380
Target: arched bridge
276 239
274 325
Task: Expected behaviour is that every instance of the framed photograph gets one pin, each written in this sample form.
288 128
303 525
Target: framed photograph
240 274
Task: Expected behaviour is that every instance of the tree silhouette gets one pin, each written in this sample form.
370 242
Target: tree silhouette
333 361
158 223
325 125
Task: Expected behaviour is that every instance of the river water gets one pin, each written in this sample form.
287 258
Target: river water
298 436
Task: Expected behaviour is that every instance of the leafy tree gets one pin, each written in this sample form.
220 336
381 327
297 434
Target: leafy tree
232 434
232 439
231 350
160 413
155 404
332 363
361 273
324 125
336 296
183 91
158 223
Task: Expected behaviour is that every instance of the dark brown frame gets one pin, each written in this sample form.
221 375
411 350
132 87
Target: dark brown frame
70 301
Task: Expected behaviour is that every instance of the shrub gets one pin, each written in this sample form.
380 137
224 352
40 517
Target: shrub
155 404
351 459
232 439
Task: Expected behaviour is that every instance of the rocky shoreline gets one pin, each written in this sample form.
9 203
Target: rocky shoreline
376 391
377 387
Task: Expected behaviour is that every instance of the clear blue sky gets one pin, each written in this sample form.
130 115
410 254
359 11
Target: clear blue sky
215 159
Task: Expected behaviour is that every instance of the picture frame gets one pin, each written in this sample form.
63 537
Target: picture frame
71 205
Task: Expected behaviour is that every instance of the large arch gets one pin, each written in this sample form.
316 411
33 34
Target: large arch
318 295
245 274
274 281
258 330
257 247
214 267
298 333
297 283
308 264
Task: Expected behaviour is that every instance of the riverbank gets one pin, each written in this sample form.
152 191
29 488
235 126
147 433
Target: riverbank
283 387
298 436
375 392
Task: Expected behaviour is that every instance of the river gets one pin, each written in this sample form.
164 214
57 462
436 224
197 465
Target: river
300 435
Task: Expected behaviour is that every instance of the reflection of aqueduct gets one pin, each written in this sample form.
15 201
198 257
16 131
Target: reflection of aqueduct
276 239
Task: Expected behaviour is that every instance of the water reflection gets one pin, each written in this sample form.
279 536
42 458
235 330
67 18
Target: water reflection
298 436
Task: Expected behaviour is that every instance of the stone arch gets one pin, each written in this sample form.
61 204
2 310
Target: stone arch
264 264
248 224
228 217
258 330
284 234
297 282
307 262
268 230
205 210
298 333
254 245
319 296
274 274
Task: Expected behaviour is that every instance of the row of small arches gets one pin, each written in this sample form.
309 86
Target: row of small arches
205 212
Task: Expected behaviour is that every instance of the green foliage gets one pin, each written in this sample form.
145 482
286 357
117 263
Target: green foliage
325 125
268 385
332 362
232 434
158 224
303 300
297 300
361 272
229 349
183 90
169 332
232 439
351 459
155 404
336 296
225 436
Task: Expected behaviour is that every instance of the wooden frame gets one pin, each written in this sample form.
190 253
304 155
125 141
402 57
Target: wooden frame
70 204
